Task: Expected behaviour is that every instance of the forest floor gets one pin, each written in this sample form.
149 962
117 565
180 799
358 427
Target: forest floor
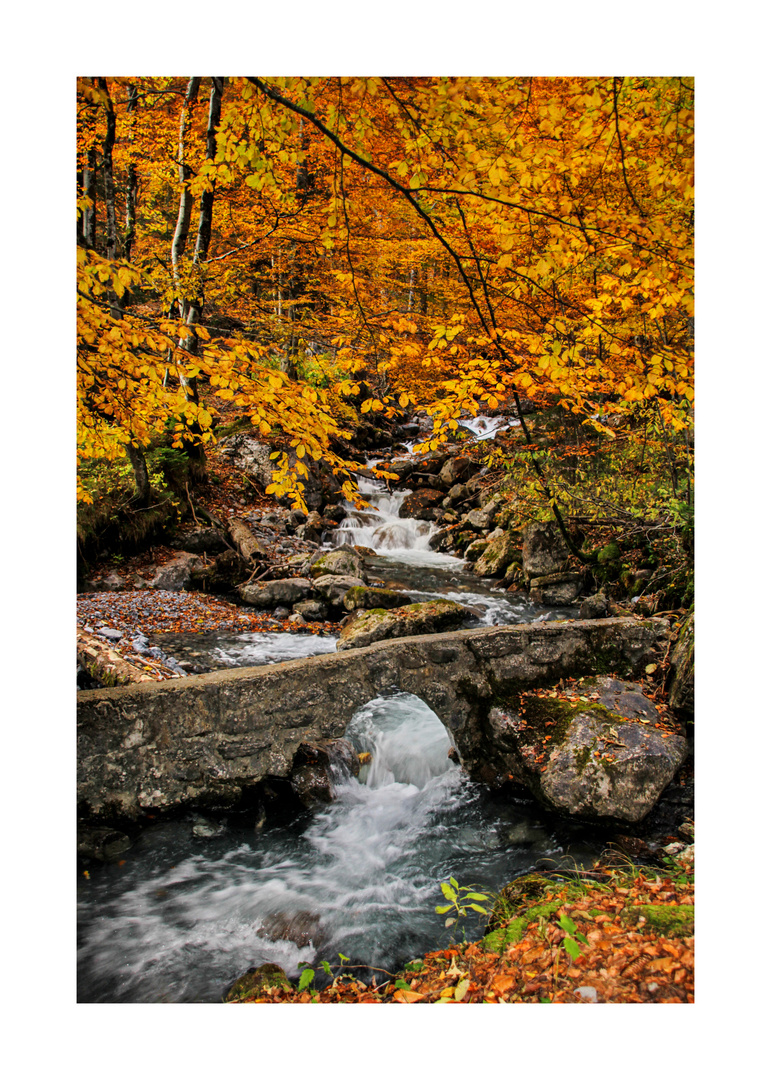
625 939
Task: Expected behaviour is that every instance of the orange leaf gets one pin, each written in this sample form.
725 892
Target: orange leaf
502 983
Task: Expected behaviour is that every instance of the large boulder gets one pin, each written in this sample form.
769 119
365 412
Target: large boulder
362 597
270 594
332 588
343 560
543 550
456 470
176 575
364 628
556 589
497 556
598 756
250 456
482 519
421 504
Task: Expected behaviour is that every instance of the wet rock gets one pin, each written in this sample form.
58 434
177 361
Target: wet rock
268 595
318 767
110 635
335 514
482 519
444 540
311 610
301 927
344 560
402 468
420 504
101 844
543 550
475 550
366 598
256 981
432 463
625 698
496 557
429 618
333 587
203 829
456 470
555 589
458 493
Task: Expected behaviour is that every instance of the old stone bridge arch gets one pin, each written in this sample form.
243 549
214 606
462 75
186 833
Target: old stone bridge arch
206 739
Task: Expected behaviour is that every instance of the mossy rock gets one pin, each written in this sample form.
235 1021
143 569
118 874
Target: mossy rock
519 894
255 982
368 598
669 920
611 553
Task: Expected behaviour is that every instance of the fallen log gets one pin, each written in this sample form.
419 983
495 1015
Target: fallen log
248 546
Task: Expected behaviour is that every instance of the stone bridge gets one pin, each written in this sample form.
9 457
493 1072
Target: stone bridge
210 740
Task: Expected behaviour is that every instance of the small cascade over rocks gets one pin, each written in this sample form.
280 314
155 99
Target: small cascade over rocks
380 527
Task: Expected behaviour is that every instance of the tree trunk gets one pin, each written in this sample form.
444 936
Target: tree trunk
111 231
132 188
89 189
185 199
191 309
141 478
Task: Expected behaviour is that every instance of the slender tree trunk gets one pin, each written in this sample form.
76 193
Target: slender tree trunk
132 187
191 308
89 189
185 199
111 231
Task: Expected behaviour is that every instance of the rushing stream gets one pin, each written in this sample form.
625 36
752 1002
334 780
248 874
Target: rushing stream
182 913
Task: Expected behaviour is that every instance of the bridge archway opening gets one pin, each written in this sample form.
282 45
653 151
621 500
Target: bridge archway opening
405 740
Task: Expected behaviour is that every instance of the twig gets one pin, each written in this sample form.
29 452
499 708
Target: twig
192 507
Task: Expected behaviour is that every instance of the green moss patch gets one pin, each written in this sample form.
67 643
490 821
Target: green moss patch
514 930
672 920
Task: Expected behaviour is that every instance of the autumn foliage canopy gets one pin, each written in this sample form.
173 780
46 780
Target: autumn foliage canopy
455 242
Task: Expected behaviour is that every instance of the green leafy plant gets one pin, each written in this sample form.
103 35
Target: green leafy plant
462 900
309 972
570 942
